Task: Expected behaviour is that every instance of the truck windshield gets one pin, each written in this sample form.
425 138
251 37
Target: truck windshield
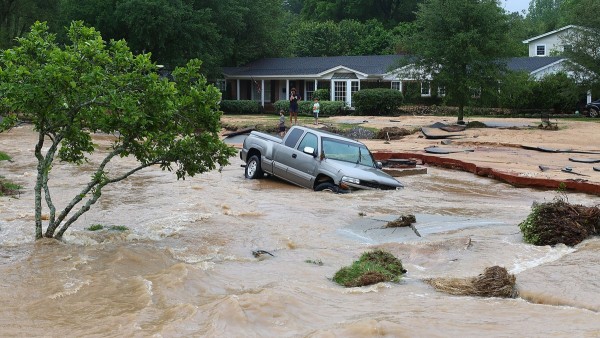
347 152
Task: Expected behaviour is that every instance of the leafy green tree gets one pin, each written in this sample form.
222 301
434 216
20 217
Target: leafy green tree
388 12
89 85
458 43
347 37
584 42
545 15
17 15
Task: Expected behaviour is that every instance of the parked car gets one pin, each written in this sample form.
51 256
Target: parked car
593 108
315 159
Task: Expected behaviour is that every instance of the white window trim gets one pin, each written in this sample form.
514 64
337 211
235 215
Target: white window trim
399 85
545 50
428 91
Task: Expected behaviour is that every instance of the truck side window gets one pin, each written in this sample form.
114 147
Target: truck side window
293 137
309 140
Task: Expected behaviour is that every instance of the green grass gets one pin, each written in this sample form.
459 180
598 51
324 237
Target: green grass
372 267
8 188
96 227
4 156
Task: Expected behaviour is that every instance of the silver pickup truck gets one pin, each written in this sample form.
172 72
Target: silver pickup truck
316 160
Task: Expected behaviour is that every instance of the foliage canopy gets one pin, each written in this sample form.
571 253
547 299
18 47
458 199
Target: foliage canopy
92 86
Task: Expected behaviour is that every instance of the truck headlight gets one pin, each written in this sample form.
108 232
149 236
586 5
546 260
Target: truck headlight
350 180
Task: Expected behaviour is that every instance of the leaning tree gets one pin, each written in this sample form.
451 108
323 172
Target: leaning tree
88 85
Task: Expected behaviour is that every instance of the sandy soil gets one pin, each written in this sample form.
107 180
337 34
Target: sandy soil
499 148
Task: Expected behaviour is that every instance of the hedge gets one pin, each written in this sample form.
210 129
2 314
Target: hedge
377 101
241 107
328 108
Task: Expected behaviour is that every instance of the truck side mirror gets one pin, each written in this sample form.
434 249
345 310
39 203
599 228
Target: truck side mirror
310 151
378 165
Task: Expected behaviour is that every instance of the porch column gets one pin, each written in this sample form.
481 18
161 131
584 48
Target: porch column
237 89
262 92
332 90
589 96
287 89
348 92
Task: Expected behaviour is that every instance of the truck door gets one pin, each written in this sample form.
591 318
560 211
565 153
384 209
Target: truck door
284 151
300 167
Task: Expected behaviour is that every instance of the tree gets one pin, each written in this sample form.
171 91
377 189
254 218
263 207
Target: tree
458 43
347 37
388 12
545 15
583 42
17 15
89 85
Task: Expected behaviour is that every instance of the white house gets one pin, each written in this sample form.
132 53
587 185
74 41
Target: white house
269 80
551 43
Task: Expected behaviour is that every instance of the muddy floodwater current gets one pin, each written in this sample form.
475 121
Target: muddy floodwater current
185 266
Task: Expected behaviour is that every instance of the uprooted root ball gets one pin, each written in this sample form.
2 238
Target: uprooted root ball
558 221
495 281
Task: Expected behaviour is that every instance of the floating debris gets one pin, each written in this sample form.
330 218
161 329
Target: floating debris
495 281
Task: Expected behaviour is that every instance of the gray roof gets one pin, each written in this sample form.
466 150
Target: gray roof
305 66
367 64
530 64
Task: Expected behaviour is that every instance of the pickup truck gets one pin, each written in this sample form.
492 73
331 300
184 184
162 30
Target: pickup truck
315 159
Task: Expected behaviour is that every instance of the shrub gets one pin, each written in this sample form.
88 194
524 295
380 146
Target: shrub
322 94
372 267
377 101
245 107
4 156
328 108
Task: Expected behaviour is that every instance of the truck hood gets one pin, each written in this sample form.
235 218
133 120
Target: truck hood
370 178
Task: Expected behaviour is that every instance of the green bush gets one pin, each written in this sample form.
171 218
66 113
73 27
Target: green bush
245 107
377 101
558 92
322 94
328 108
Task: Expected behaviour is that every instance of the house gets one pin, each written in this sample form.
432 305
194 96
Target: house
551 43
269 80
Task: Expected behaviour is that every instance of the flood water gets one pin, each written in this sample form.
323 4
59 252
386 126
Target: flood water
185 268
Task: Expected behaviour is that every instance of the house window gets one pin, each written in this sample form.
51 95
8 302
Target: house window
397 85
425 88
354 87
339 91
540 50
310 89
442 91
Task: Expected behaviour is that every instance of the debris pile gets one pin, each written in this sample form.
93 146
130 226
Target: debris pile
495 281
393 133
559 221
402 221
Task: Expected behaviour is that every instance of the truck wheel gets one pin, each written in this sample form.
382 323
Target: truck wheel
330 187
253 169
594 112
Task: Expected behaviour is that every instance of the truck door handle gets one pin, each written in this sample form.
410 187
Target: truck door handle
294 155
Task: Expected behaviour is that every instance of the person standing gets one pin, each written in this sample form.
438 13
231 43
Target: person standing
316 107
281 123
294 106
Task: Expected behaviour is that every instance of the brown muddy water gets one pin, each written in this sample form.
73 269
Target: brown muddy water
186 269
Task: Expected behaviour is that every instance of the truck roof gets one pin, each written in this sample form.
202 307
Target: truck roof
324 133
